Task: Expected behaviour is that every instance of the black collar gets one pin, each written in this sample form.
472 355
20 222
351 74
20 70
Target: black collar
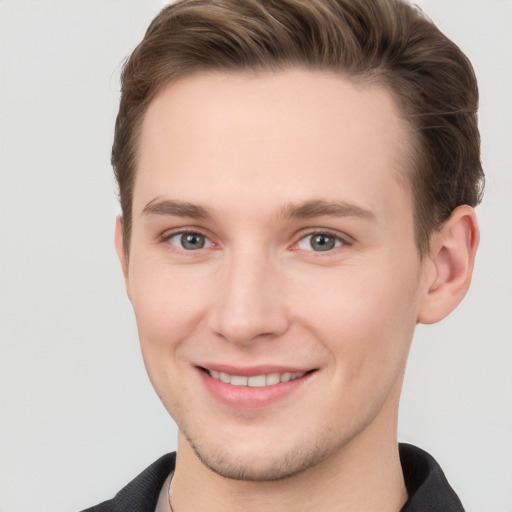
428 489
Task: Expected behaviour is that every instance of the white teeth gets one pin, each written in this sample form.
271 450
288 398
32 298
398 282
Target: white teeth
237 380
256 381
273 378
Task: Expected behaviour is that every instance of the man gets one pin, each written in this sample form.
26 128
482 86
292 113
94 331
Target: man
297 182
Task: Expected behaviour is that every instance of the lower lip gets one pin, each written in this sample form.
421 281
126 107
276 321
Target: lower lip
247 397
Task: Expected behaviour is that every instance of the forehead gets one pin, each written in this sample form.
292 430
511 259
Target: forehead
295 132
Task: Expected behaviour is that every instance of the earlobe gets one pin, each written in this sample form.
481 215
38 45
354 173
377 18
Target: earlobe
120 249
451 259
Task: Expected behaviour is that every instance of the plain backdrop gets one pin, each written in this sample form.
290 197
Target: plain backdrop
78 415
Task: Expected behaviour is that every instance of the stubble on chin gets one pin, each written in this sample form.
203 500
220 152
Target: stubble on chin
261 467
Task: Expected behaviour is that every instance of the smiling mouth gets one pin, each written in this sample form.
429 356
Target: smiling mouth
255 381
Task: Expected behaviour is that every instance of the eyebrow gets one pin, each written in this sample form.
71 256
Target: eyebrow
176 208
320 208
304 210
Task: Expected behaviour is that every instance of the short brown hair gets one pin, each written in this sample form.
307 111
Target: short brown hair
385 41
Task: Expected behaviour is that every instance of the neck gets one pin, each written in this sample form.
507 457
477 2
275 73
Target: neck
365 474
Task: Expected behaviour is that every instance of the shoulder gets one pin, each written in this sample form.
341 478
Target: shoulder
141 494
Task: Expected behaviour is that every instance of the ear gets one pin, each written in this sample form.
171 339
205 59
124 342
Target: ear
450 263
120 249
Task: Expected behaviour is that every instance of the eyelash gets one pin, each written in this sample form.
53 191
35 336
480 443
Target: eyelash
339 240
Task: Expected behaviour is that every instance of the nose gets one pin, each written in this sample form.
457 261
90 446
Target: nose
250 303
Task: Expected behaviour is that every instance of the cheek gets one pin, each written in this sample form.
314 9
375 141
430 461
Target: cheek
169 305
169 302
366 326
364 316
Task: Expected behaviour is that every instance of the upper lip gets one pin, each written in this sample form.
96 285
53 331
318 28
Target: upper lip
251 371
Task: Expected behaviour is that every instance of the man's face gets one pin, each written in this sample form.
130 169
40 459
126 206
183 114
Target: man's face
272 268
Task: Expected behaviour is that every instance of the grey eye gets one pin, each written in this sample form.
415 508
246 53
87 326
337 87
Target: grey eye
319 242
190 241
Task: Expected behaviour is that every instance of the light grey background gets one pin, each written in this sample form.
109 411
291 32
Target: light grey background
78 415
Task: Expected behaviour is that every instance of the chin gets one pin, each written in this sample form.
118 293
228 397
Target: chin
256 464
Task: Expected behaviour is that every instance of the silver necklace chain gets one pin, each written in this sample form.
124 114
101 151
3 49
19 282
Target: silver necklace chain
169 493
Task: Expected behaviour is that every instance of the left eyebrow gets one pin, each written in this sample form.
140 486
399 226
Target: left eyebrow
320 207
176 208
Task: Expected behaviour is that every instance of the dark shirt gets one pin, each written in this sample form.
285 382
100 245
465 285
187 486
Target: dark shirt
428 489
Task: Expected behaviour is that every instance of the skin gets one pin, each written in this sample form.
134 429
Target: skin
263 159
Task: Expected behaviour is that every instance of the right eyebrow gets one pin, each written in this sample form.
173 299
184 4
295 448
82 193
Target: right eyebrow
319 208
176 208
